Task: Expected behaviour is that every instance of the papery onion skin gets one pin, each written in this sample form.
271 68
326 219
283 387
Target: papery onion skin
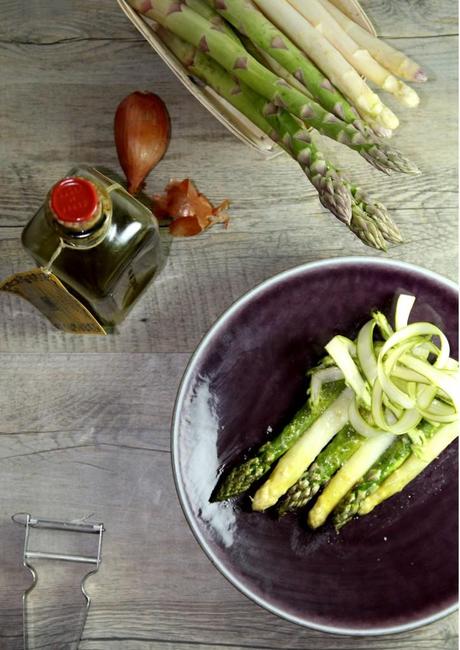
142 131
188 210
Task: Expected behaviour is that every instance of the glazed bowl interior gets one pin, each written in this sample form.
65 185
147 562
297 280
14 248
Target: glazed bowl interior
392 570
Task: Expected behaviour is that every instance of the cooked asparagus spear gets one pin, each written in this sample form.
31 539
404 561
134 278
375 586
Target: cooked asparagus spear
300 456
390 460
338 451
243 476
328 59
394 456
314 12
347 476
400 64
412 467
198 31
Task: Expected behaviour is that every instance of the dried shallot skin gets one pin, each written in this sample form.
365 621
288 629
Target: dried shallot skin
189 211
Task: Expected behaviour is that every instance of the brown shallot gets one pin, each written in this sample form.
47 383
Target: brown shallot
142 130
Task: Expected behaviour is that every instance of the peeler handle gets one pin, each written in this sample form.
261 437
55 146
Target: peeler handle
54 600
24 519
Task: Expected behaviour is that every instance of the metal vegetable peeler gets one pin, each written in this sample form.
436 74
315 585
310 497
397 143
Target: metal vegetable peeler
51 608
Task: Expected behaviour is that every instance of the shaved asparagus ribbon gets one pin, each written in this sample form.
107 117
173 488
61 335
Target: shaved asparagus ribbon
396 385
342 350
320 377
404 308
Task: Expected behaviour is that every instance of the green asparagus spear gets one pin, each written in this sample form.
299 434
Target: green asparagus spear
338 451
364 227
301 455
412 467
248 20
206 11
368 220
390 460
377 214
273 65
211 73
198 31
242 477
333 191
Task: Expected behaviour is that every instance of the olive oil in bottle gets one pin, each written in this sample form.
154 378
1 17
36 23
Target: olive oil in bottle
102 243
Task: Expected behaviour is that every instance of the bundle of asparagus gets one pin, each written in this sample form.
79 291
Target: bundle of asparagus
377 415
280 74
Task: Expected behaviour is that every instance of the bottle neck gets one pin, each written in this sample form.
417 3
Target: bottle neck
76 228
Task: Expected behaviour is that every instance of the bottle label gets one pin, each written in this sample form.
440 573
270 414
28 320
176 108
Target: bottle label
47 293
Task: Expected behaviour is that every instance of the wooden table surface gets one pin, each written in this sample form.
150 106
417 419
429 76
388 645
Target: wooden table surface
84 422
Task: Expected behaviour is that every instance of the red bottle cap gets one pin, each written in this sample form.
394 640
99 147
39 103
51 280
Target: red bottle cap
74 200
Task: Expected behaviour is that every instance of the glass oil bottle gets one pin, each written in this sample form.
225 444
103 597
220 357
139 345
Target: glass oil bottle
101 242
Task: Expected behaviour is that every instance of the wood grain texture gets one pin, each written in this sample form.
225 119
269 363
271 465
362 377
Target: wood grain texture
84 422
48 21
101 447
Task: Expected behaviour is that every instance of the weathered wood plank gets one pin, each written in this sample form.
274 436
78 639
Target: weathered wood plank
204 276
412 18
314 642
45 21
118 399
77 443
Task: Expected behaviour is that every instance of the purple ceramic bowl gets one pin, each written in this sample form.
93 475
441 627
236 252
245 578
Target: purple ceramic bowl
390 571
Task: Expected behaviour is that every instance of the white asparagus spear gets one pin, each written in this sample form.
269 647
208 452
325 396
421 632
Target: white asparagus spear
318 16
355 12
413 466
397 62
347 476
341 74
295 461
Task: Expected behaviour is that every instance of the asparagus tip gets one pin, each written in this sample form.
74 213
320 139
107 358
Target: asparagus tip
420 76
382 132
366 228
395 238
386 158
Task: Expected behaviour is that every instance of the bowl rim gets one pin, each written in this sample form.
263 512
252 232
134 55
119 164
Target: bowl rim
181 492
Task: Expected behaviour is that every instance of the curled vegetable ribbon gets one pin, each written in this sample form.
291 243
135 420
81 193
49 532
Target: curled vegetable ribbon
401 386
